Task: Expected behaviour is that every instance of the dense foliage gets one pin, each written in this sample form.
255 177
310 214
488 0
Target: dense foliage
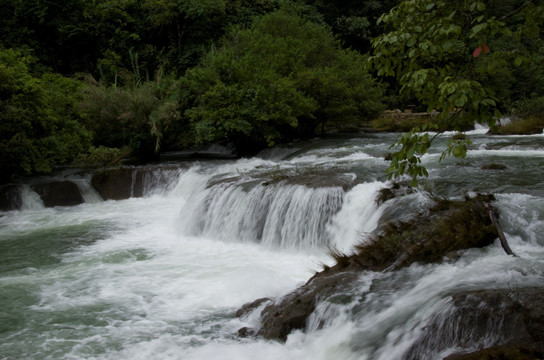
39 127
279 79
84 79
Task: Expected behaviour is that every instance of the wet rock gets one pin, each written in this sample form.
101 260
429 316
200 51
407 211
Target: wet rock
509 324
311 178
118 184
10 198
249 307
126 182
292 312
397 189
344 181
246 332
59 193
449 226
493 166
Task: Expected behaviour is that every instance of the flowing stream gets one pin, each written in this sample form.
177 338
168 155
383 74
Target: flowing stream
161 276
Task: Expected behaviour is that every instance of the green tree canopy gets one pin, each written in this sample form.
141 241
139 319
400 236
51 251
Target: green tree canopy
281 78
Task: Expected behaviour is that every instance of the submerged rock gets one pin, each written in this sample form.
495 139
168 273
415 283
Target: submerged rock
494 166
447 227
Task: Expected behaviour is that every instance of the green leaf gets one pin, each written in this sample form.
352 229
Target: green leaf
478 28
461 100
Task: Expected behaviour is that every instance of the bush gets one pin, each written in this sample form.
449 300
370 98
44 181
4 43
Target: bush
533 107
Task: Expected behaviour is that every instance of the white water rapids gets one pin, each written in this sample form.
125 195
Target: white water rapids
161 276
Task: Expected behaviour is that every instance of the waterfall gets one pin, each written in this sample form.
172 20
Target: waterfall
282 215
30 199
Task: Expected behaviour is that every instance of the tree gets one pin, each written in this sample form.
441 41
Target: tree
446 52
39 126
281 78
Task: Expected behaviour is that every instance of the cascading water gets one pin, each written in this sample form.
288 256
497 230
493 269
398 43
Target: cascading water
286 216
161 276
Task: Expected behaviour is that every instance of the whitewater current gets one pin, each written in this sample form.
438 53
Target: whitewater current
161 276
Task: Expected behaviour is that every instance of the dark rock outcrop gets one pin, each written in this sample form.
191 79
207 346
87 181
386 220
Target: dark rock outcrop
292 311
447 227
118 184
59 193
10 198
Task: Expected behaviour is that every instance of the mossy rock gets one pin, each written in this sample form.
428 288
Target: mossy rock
397 189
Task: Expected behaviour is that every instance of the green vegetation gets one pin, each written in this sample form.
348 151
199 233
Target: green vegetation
38 123
82 80
459 58
281 78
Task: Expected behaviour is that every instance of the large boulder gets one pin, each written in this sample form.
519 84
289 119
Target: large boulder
446 228
59 193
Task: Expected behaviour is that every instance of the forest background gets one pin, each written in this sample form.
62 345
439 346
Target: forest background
87 83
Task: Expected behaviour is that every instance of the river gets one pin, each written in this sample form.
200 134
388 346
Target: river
161 276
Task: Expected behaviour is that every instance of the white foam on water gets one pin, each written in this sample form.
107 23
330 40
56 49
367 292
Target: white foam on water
358 216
